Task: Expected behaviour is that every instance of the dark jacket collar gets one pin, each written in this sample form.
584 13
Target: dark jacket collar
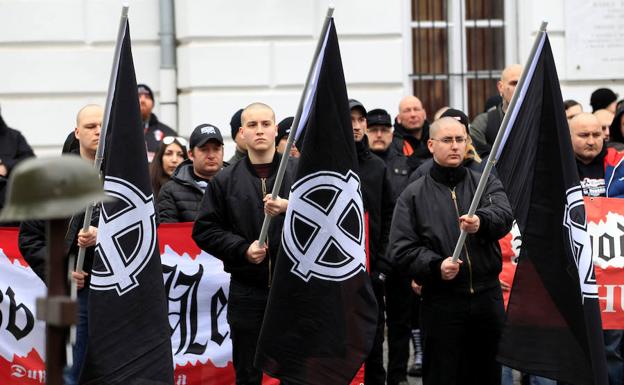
448 176
274 164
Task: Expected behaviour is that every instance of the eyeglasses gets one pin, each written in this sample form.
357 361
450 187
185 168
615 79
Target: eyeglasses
450 139
167 140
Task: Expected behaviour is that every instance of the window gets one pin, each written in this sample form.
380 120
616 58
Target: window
458 52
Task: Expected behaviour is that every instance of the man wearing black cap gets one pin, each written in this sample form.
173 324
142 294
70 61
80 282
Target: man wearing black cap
154 130
241 148
179 199
603 98
399 294
378 206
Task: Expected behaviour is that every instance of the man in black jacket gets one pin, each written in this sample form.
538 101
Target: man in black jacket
179 198
411 131
13 149
399 295
228 227
32 240
378 206
462 307
155 130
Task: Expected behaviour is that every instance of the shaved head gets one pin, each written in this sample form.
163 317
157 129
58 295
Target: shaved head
587 137
87 110
255 106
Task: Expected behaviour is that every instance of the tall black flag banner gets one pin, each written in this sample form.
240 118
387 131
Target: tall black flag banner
553 326
321 315
129 334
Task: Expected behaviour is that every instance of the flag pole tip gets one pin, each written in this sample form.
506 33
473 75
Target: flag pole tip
543 26
125 4
331 6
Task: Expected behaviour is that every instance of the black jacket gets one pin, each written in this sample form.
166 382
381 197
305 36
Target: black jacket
378 203
32 242
231 215
179 199
154 132
616 137
13 149
415 149
398 169
425 229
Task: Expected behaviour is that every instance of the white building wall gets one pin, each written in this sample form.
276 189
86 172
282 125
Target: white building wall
530 15
56 55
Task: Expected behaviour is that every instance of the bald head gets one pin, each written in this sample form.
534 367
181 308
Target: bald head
444 122
605 118
255 107
507 83
587 137
87 131
89 109
412 115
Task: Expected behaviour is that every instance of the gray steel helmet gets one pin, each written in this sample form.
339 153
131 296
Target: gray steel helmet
51 188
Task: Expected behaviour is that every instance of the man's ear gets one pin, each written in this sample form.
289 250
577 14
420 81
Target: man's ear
76 131
430 145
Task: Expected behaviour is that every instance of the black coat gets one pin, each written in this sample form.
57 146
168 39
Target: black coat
179 199
32 242
13 149
378 203
398 169
425 229
231 215
403 142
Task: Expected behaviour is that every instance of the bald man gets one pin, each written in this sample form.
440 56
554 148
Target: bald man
462 308
601 171
600 167
411 131
228 226
485 126
605 118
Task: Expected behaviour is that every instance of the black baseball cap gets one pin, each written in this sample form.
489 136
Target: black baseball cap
203 133
378 117
457 115
356 104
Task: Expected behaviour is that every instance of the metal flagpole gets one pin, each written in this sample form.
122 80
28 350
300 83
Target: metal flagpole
99 154
291 136
499 137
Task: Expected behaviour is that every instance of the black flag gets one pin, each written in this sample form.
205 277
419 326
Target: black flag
129 335
321 315
553 326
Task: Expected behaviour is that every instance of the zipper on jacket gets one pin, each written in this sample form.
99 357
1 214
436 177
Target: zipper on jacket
264 193
454 197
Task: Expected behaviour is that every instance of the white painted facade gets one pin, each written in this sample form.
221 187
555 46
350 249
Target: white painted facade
56 55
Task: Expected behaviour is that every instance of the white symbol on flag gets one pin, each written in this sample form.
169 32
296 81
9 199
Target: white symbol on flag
126 239
324 227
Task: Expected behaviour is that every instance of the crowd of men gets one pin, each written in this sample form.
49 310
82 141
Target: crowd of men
417 178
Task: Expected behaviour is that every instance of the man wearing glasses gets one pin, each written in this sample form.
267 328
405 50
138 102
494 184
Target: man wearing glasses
462 304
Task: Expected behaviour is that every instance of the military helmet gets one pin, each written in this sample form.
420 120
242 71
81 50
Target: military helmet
51 188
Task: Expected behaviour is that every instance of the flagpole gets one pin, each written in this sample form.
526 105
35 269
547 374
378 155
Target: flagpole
497 142
99 154
293 128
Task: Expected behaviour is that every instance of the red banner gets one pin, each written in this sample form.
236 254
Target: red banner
197 290
605 225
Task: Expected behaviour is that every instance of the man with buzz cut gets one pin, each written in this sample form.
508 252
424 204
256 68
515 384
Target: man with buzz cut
228 226
462 304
